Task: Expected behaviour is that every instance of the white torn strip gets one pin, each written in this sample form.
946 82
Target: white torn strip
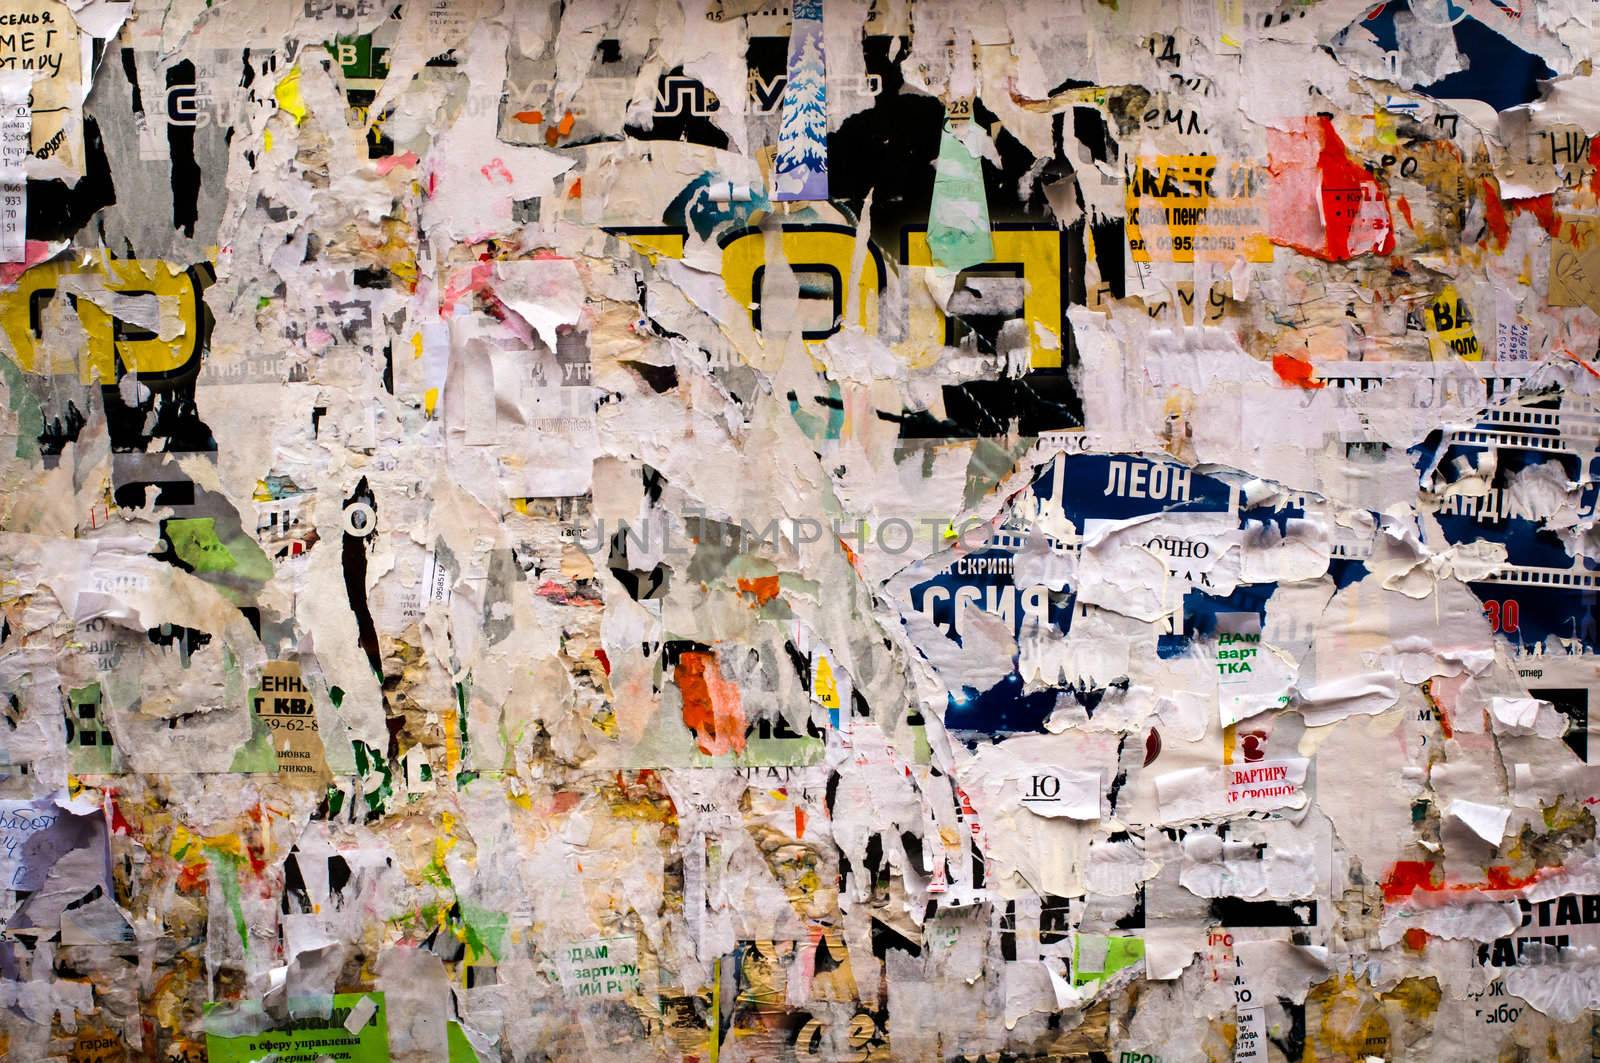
1054 792
16 129
360 1015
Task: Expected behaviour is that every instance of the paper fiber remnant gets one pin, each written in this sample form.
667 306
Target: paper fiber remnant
830 531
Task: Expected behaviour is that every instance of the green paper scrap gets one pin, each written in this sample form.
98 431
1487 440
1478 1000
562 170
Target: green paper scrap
486 929
256 756
958 218
303 1040
459 1047
1121 952
88 740
30 414
194 540
227 866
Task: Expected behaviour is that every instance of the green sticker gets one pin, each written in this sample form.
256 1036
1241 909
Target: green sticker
1120 953
257 755
305 1040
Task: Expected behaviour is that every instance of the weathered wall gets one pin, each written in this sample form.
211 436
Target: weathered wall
836 531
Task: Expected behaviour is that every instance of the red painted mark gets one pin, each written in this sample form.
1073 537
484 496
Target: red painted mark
192 877
496 167
1541 207
1405 877
1322 202
529 117
1408 876
551 591
493 306
477 280
1501 878
407 159
1405 211
1292 370
605 661
1416 939
1494 214
118 824
799 822
1592 371
1442 692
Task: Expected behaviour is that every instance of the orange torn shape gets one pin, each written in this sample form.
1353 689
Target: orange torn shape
1591 369
1292 370
560 129
762 588
711 706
